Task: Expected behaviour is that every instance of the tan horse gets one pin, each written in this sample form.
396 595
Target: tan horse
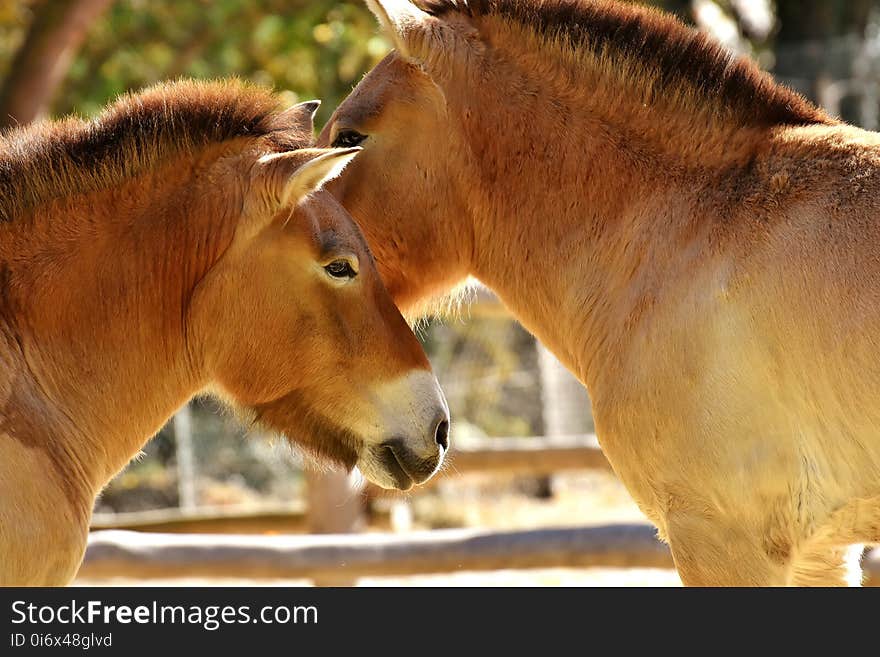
146 256
697 243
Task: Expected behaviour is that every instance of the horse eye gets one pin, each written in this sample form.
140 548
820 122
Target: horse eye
340 269
348 138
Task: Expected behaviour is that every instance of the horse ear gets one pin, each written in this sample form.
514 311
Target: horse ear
412 30
300 116
287 178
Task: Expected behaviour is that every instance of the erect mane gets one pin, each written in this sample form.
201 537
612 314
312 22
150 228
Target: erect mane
657 46
50 160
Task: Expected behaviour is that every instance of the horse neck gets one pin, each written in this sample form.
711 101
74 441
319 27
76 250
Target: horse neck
585 210
105 280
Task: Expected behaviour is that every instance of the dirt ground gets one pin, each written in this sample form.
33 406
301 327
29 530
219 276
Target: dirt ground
481 502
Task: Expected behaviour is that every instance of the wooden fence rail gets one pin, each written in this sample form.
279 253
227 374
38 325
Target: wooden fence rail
289 518
526 456
146 556
161 556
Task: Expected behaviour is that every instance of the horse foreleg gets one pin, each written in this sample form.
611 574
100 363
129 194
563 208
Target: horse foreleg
828 566
43 532
712 552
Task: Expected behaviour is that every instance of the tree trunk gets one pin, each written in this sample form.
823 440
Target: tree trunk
41 62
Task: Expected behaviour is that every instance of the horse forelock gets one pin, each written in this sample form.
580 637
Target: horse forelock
49 160
653 46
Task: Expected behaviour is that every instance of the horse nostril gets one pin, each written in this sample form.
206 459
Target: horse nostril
442 434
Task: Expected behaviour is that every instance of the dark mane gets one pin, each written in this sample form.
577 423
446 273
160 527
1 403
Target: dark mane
658 44
54 159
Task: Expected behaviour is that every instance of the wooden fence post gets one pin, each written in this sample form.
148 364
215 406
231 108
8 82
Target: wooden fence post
565 404
186 464
334 506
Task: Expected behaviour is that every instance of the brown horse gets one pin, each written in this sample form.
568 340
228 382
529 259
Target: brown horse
153 253
696 242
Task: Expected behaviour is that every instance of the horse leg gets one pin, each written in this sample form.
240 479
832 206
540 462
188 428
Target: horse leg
713 552
828 566
42 535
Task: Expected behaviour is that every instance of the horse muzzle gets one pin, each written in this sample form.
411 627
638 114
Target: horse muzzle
398 464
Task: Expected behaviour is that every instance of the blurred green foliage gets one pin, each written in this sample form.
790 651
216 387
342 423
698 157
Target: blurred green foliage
15 16
306 48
